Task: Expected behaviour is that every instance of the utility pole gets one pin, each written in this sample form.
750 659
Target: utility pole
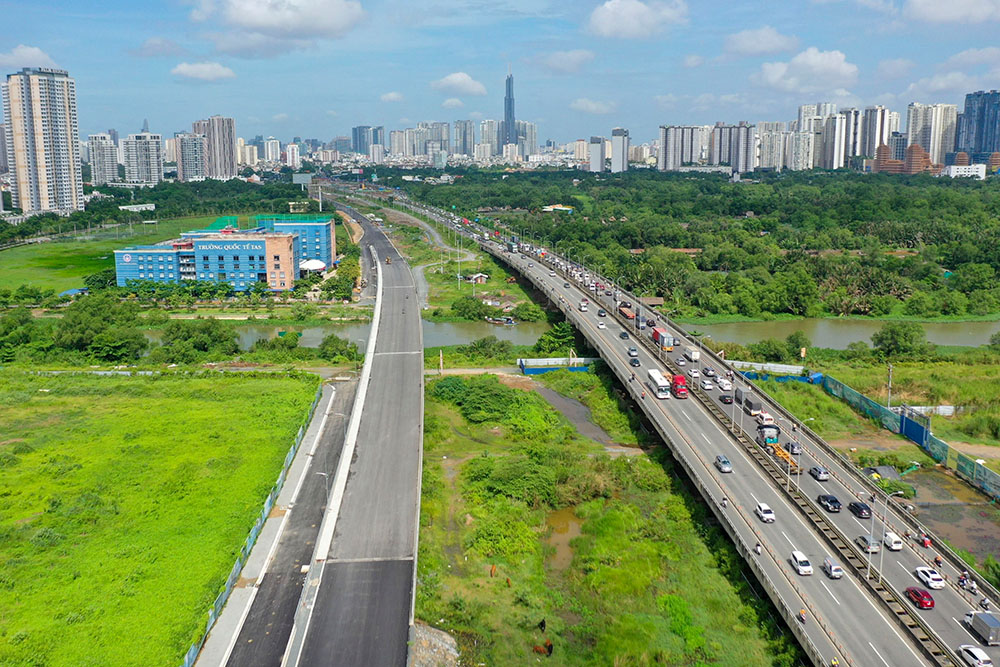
888 400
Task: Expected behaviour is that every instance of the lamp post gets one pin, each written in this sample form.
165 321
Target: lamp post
885 513
326 482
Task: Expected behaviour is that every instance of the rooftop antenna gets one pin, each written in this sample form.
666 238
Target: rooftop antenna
145 125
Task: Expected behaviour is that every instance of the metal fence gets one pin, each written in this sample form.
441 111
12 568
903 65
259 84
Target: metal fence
862 403
234 575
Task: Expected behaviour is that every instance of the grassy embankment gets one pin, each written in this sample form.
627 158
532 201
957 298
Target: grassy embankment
648 579
125 501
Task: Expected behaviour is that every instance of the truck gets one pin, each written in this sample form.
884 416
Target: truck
692 353
661 338
678 387
751 405
985 625
626 312
767 437
583 306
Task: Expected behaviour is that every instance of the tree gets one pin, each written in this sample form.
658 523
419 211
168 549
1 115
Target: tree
100 280
796 341
336 349
896 339
557 339
528 312
769 350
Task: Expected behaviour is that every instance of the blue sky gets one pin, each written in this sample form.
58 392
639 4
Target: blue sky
315 68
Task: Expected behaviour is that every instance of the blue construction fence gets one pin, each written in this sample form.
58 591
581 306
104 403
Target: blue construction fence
213 614
906 422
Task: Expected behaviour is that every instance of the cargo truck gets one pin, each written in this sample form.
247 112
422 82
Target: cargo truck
692 353
661 338
679 387
751 405
985 625
626 312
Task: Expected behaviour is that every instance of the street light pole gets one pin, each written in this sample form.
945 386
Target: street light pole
888 400
885 514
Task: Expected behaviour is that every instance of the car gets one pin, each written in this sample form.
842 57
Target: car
633 352
707 385
530 264
694 373
829 503
974 656
601 312
832 568
565 284
723 464
930 577
650 322
726 399
724 384
860 510
680 361
601 325
552 274
801 564
623 335
634 362
708 372
607 292
868 544
764 513
819 473
921 598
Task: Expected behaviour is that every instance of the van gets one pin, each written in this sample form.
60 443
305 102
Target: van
801 564
832 568
893 542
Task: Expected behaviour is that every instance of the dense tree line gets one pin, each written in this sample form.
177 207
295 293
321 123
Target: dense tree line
803 243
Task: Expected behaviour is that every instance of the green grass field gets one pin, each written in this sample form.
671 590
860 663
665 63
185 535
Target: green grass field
62 264
125 503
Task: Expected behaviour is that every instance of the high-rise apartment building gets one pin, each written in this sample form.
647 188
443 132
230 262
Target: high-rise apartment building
3 148
735 146
43 140
979 124
465 137
482 152
580 150
397 143
619 150
143 157
103 159
527 138
220 146
799 150
682 145
489 134
853 133
190 149
897 146
597 155
376 153
932 127
834 141
509 126
441 133
877 125
361 139
292 158
772 149
272 150
248 155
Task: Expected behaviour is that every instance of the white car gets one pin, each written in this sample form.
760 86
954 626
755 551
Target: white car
694 373
680 361
974 656
724 384
601 324
930 577
764 512
707 385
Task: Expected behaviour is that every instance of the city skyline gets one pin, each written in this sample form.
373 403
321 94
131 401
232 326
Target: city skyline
581 69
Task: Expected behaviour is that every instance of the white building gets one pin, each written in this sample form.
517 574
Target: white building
190 156
682 145
489 133
735 146
511 153
482 152
397 142
272 150
834 141
878 124
772 149
220 146
932 126
292 158
799 150
580 150
143 158
103 159
619 150
248 156
966 171
596 153
376 153
465 137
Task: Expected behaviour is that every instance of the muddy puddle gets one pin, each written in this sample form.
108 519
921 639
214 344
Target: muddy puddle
952 509
564 526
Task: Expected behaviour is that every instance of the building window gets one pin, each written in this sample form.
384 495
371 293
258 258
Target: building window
272 283
201 275
260 258
222 258
241 275
161 275
141 275
282 283
236 266
222 276
281 275
277 266
211 275
277 258
272 274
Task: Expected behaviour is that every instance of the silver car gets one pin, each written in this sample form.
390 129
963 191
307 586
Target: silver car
820 473
868 544
723 464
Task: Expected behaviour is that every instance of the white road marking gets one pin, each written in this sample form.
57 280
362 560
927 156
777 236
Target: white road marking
754 497
830 592
792 544
706 438
879 655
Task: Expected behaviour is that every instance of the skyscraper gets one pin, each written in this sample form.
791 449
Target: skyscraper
103 159
597 154
361 139
397 139
619 150
932 127
979 125
190 149
834 141
489 134
681 145
3 148
527 138
465 137
878 124
853 133
272 150
143 158
220 146
734 145
509 126
292 158
43 141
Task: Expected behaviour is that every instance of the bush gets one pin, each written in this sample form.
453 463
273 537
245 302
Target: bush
338 350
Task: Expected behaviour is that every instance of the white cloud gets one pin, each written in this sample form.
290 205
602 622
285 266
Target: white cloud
25 56
948 82
972 57
566 62
628 19
392 96
203 71
692 60
155 47
280 117
762 41
886 6
459 83
895 68
953 11
587 105
452 103
668 101
254 45
475 115
811 71
332 113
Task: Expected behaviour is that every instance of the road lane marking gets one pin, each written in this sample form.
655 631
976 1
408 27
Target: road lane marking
792 544
754 497
879 655
830 592
706 439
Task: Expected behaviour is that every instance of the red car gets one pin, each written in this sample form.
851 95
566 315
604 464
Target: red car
920 597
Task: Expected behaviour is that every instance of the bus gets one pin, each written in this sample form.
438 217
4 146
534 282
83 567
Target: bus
659 385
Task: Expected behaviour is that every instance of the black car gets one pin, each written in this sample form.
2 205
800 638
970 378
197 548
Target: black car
565 284
633 362
623 335
860 510
607 292
602 313
726 398
830 503
650 322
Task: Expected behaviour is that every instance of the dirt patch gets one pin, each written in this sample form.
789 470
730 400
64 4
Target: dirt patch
885 442
522 382
952 509
277 511
433 647
564 526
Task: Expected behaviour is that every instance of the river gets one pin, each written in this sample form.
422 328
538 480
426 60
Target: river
435 333
838 333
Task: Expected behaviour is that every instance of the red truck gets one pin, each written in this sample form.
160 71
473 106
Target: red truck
664 340
679 387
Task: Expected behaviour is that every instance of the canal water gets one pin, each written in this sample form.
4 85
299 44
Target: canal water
838 333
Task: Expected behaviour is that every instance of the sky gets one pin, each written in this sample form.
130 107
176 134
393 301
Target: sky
315 68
